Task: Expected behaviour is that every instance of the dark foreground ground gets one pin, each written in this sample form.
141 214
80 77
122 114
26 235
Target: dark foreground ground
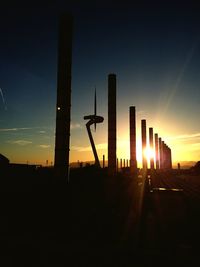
99 221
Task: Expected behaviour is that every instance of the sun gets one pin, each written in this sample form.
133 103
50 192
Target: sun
149 153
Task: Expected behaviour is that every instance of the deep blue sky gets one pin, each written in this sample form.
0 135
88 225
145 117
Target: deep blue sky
154 48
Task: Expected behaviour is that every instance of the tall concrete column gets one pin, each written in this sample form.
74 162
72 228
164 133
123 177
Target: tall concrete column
121 164
132 123
163 155
144 144
170 158
63 106
156 151
151 147
160 152
112 124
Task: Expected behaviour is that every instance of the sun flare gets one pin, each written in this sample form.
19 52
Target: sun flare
149 153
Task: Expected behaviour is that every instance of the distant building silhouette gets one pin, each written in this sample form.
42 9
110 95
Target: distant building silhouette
179 166
4 162
196 167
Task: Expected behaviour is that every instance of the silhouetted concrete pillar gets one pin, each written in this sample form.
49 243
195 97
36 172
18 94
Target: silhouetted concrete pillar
144 144
124 163
117 165
163 147
160 153
170 158
63 106
132 122
151 147
112 124
103 161
167 157
156 151
120 163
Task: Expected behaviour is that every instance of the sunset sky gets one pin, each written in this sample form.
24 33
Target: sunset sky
154 49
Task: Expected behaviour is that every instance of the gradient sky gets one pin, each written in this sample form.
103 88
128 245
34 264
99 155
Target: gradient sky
154 49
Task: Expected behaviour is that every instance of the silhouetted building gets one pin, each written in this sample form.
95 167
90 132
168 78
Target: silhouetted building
156 151
4 162
196 167
151 147
144 144
132 122
112 124
63 106
23 168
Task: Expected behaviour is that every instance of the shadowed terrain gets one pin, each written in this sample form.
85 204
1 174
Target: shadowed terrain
97 220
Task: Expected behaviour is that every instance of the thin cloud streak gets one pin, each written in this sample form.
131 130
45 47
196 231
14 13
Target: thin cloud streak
14 129
20 142
185 136
74 126
44 146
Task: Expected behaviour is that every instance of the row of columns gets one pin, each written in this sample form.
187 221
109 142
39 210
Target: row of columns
162 151
163 158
